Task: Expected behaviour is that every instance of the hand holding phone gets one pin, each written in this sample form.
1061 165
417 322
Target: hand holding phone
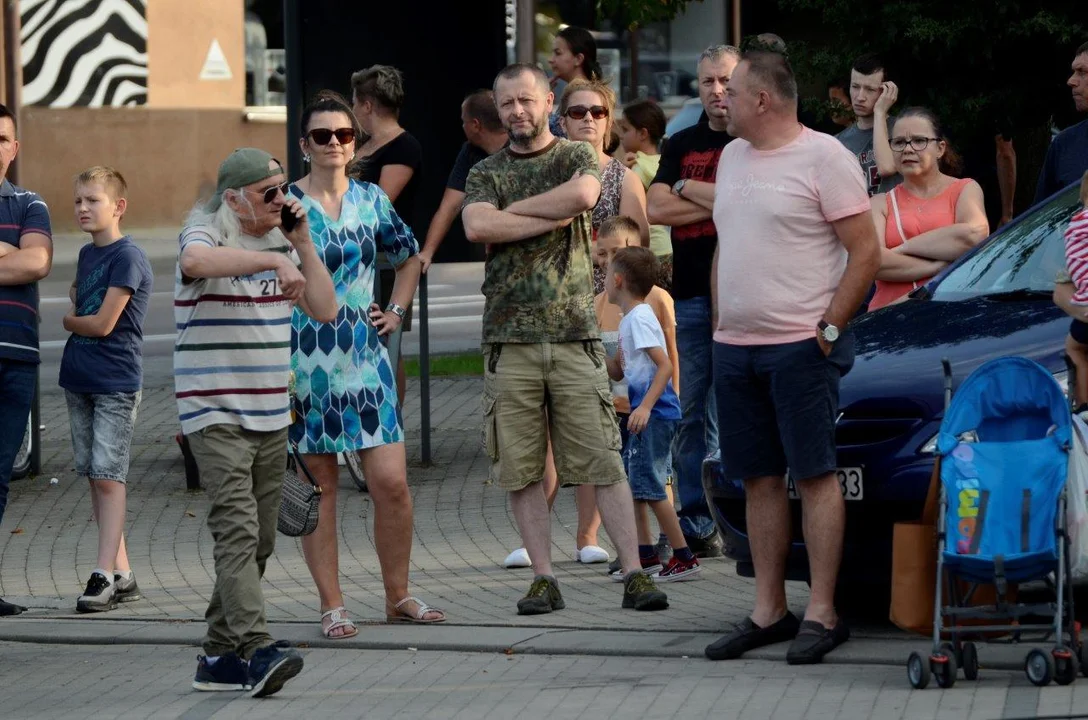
288 218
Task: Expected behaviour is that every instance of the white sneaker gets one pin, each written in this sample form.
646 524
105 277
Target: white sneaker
517 559
591 554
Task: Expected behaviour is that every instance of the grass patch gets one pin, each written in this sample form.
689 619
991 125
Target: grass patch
448 365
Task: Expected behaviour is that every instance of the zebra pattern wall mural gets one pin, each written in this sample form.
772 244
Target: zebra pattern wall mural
89 53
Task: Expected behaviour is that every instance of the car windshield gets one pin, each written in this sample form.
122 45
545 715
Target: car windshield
1024 259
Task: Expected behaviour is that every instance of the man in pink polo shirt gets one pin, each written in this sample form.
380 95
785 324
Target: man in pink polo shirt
797 252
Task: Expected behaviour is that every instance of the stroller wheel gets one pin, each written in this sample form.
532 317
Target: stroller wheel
970 661
943 666
917 671
1039 667
1065 666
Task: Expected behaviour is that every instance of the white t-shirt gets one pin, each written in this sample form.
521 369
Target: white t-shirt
639 331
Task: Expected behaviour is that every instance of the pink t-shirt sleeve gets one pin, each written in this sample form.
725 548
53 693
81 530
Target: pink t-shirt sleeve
841 186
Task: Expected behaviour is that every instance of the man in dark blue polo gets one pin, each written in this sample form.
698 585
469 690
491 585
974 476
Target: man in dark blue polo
1067 159
26 255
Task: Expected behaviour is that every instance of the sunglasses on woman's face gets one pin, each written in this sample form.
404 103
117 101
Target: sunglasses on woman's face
323 136
577 112
269 194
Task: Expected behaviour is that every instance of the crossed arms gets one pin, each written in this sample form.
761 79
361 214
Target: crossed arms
533 216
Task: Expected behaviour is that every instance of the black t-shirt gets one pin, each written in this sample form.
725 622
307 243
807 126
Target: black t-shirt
470 155
404 149
692 154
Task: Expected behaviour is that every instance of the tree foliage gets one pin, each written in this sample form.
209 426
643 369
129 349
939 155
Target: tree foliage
982 65
642 12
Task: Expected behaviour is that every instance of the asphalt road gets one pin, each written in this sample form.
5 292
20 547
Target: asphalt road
455 303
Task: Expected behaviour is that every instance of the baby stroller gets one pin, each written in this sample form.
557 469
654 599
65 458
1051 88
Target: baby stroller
1003 447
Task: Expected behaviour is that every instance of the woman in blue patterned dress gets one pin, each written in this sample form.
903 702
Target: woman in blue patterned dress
345 392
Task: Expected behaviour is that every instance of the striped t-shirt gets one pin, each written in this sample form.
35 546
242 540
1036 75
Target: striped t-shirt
21 212
232 359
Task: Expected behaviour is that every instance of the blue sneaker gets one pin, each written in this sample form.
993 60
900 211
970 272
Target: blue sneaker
271 667
229 672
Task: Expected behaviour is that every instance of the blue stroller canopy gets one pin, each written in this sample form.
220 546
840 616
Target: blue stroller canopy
1004 460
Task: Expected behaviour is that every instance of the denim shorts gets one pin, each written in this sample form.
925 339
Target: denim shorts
778 405
102 432
647 457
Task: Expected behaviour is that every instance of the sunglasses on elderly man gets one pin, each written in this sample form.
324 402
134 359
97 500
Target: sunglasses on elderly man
323 136
269 194
577 112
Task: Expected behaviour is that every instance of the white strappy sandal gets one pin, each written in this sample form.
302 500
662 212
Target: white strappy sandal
338 622
419 617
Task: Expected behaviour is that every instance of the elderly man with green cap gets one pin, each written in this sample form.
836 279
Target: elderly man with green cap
238 278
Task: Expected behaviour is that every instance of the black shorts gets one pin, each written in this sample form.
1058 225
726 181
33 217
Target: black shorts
386 277
777 407
1078 330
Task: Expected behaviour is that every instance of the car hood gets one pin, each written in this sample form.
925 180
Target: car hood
900 348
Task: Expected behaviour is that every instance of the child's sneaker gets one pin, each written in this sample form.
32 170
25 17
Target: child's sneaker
100 595
127 589
543 597
270 668
678 570
640 593
228 672
650 566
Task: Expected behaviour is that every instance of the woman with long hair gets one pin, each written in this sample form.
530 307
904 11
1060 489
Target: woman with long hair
932 218
574 57
345 395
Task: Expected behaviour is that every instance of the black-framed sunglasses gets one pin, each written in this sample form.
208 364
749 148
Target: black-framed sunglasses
919 143
323 136
269 194
577 112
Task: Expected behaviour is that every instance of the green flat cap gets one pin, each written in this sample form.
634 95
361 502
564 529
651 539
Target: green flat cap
242 167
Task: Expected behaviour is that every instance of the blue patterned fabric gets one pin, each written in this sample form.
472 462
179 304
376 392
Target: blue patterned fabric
345 394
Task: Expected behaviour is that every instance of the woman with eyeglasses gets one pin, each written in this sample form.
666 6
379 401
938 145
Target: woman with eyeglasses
574 57
345 395
932 218
587 107
390 157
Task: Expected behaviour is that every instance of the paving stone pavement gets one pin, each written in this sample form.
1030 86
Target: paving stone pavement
347 683
463 530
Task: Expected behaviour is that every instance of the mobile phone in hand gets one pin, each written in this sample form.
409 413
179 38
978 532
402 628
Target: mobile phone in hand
288 219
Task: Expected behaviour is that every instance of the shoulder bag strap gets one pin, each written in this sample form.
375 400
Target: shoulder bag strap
899 223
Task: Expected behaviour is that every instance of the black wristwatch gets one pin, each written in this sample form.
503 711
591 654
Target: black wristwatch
828 332
396 310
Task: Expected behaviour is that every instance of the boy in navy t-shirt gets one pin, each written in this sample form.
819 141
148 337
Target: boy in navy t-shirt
102 372
642 360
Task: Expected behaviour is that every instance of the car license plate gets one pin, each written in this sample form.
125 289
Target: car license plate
850 481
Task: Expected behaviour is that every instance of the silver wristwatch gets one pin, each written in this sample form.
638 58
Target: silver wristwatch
678 186
396 310
829 332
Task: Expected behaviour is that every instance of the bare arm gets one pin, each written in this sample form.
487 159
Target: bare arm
199 260
701 193
441 223
6 249
394 179
1063 298
614 365
101 323
950 242
486 224
633 205
882 149
665 208
30 262
1006 177
318 299
566 201
858 236
670 348
898 267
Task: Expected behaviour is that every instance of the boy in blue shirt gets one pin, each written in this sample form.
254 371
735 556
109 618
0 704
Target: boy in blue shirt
643 361
102 372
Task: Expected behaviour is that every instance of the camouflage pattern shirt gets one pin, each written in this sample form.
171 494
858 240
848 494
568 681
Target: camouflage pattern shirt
539 289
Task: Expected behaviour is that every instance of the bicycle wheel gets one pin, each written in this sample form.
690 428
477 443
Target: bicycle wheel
355 469
23 458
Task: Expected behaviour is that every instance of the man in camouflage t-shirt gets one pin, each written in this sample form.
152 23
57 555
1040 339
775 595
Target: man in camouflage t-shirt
545 372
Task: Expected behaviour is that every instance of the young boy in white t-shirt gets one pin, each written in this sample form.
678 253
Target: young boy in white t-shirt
642 360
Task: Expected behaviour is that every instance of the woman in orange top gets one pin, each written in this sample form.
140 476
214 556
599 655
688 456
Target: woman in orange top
932 218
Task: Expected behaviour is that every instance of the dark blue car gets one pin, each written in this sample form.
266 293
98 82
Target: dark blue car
995 301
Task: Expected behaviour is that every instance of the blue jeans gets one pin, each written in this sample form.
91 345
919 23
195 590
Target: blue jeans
18 380
697 435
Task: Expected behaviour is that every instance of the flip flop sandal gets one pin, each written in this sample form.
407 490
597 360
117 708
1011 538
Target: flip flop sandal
749 636
813 641
400 616
338 622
